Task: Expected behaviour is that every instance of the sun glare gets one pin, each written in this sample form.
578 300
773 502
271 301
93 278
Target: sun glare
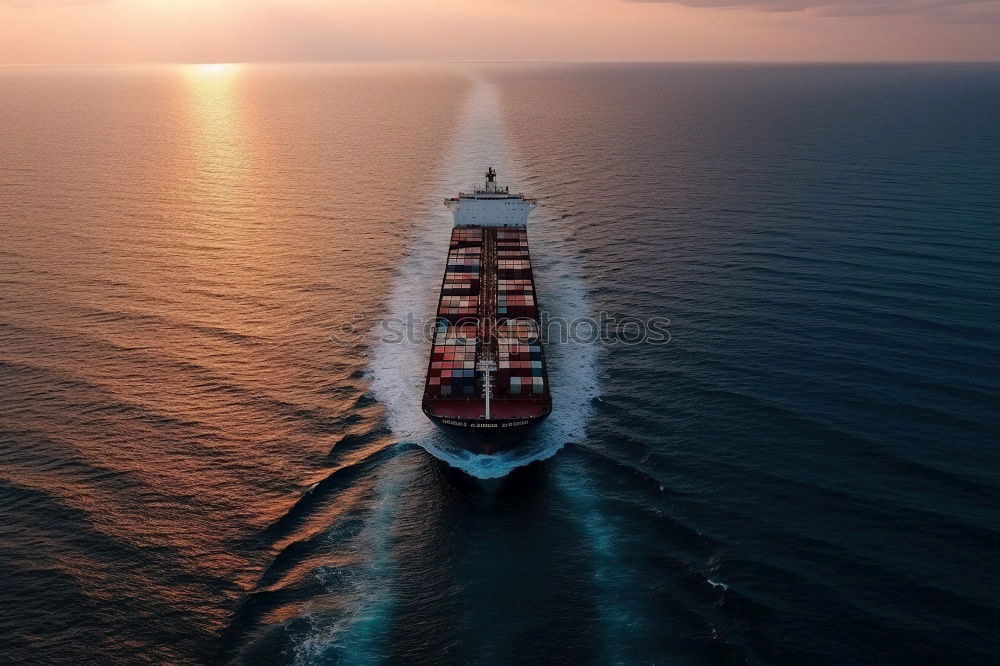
212 69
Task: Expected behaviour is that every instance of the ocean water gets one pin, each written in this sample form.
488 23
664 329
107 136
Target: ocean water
211 449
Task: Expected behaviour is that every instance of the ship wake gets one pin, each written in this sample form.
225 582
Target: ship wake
397 366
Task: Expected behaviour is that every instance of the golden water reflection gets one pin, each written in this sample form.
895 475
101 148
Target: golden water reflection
217 128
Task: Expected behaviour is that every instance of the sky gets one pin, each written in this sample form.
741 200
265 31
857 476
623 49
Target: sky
140 31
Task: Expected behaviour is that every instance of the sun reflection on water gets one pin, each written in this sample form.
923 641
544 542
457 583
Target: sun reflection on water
217 127
217 239
215 68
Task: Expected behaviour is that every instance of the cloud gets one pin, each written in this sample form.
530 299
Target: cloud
946 11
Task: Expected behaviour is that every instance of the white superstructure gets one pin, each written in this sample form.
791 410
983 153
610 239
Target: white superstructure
492 206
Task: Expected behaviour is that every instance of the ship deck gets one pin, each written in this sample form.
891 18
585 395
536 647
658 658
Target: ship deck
487 312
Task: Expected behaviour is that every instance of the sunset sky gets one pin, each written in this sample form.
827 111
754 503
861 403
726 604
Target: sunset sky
131 31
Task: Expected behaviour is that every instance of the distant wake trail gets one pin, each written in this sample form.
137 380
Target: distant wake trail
397 367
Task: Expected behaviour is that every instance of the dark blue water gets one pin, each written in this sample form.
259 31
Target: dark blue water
192 471
821 435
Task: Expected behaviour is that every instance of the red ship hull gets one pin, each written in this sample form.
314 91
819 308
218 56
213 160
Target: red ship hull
487 437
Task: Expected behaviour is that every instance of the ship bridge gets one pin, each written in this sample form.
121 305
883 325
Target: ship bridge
490 206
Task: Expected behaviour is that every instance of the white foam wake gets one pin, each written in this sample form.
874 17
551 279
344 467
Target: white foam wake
397 368
621 629
359 634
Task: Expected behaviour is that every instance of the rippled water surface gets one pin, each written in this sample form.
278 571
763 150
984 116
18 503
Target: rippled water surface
209 451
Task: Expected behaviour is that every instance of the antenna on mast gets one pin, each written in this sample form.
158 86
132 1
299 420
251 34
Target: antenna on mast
491 176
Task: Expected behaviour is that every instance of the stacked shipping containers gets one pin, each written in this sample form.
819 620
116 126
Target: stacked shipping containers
453 357
515 298
515 292
520 364
453 360
460 291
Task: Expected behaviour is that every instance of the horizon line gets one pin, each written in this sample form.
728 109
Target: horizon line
387 61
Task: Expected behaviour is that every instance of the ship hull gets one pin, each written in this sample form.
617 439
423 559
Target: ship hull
487 437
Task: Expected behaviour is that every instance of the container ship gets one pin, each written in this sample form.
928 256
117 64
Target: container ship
487 385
